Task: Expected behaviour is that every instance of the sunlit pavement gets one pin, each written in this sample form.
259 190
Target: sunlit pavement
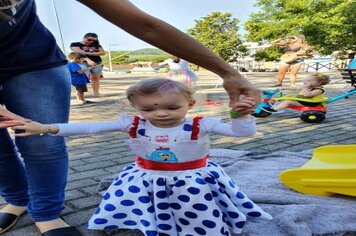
94 157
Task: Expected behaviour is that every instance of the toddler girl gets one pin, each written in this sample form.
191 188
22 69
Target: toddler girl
172 188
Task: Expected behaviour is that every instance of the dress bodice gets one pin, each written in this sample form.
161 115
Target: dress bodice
188 146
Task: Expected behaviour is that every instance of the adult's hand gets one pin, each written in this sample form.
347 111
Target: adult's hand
9 119
238 86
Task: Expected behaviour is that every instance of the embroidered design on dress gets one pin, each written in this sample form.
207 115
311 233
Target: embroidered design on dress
162 155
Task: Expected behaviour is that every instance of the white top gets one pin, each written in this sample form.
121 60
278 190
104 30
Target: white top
237 128
181 65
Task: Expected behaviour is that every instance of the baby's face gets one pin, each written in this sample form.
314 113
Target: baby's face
163 110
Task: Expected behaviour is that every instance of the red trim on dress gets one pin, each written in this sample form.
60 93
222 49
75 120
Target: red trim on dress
157 165
134 127
195 128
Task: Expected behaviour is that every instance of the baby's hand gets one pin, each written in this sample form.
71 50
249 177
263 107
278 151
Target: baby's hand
31 128
244 106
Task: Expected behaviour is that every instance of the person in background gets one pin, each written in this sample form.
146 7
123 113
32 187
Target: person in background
295 51
40 74
312 89
180 71
352 61
172 182
91 47
78 77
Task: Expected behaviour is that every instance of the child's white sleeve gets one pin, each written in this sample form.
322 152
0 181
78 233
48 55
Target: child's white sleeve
237 128
123 125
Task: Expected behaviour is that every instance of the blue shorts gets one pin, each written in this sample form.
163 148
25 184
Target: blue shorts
97 70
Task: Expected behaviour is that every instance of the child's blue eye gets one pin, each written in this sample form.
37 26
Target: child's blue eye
173 108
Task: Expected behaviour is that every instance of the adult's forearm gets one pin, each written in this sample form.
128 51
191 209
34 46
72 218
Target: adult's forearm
160 34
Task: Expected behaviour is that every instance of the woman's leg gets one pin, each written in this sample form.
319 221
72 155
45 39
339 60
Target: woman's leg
294 69
41 96
283 69
13 183
95 84
95 80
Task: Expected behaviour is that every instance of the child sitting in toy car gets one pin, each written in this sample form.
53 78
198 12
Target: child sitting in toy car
311 94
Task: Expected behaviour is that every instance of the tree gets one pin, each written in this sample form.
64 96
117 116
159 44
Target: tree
328 25
218 31
268 54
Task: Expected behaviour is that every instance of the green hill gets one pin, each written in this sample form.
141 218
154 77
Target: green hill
148 51
145 54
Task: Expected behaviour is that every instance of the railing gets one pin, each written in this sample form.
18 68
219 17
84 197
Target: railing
307 66
316 66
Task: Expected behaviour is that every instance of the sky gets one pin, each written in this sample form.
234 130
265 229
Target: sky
75 19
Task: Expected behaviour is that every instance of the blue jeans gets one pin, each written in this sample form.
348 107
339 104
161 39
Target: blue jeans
38 181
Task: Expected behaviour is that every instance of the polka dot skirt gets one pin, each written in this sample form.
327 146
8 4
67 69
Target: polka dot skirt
206 202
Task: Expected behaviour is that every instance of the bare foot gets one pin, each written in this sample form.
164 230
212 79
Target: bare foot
81 102
52 224
17 210
276 85
99 95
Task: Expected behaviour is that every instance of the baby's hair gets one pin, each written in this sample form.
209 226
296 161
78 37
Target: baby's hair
322 78
158 85
76 55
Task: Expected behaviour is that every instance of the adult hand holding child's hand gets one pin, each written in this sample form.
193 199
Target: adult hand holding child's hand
238 88
243 107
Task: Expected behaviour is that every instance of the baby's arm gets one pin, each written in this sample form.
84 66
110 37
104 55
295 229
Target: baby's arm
242 123
34 128
242 127
307 92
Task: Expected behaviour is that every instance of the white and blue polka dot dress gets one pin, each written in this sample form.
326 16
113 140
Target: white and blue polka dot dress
203 201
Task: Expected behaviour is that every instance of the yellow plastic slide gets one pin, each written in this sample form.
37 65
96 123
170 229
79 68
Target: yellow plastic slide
332 170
